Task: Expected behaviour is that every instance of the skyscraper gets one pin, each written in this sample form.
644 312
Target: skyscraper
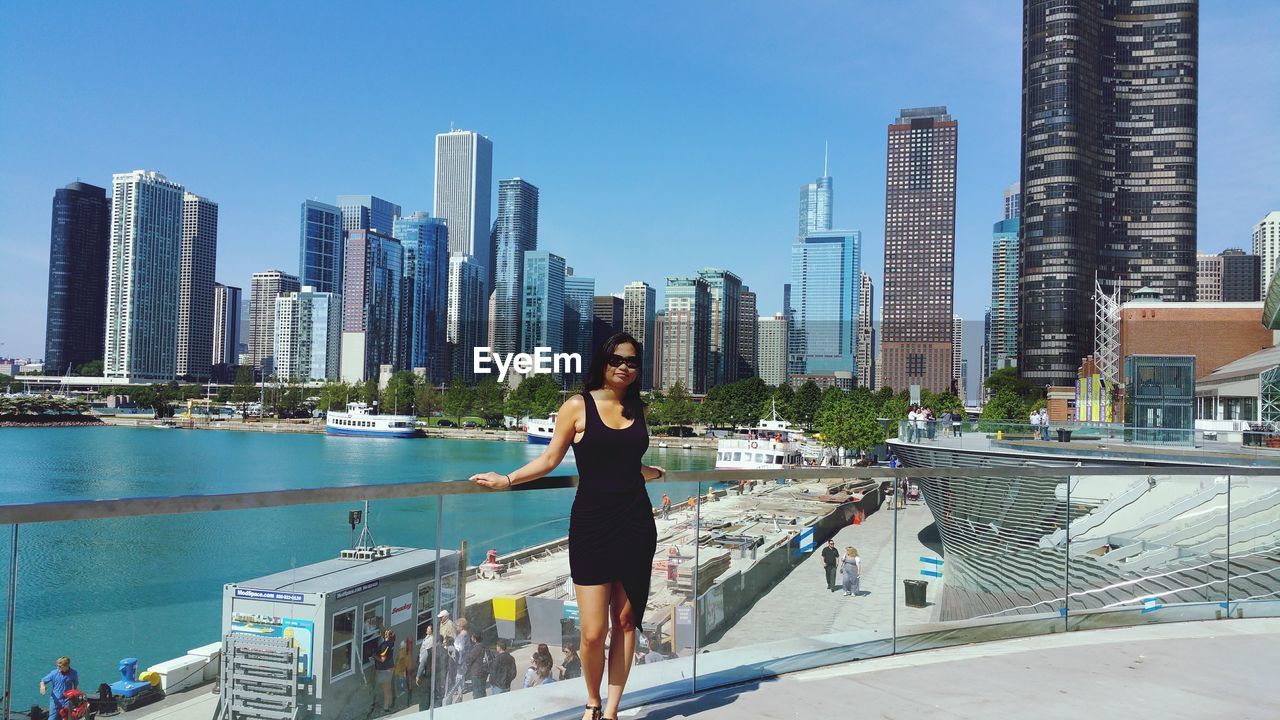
320 244
1208 277
516 233
308 331
866 333
747 364
142 280
957 355
464 189
226 329
266 287
1108 167
606 318
366 212
1240 276
372 292
686 335
826 279
658 341
639 309
543 301
919 250
1002 327
1266 245
725 289
816 204
464 333
79 251
771 349
579 319
424 310
195 286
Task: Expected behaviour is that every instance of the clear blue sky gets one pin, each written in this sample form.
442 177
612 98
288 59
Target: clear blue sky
664 136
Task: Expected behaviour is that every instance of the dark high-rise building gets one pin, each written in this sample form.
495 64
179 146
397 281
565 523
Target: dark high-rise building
1108 167
748 366
919 251
606 318
1241 275
79 248
515 233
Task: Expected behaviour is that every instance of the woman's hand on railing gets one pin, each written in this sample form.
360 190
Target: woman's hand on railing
492 480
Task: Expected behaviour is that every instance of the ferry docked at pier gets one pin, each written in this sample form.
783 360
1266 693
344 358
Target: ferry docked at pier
539 431
771 445
361 420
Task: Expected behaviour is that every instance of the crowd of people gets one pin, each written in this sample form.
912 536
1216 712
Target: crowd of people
923 424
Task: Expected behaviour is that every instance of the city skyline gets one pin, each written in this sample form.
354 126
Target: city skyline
259 208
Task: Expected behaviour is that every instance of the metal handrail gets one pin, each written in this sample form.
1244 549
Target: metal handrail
22 514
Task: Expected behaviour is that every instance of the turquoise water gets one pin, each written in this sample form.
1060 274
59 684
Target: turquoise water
151 587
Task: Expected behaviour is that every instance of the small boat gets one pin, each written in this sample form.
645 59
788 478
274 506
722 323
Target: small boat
687 446
166 425
539 432
663 444
360 420
771 445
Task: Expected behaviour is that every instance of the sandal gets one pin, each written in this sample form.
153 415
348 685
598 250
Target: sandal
595 712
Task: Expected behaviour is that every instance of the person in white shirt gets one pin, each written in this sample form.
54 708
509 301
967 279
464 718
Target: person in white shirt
1035 425
911 425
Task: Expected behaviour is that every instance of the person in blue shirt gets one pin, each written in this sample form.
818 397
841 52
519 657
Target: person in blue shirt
57 683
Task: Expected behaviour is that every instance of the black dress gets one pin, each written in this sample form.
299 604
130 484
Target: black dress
612 534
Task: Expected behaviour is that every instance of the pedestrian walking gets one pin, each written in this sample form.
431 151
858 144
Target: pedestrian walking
477 660
1044 424
1035 424
666 506
957 420
830 556
502 672
384 664
404 670
851 570
61 679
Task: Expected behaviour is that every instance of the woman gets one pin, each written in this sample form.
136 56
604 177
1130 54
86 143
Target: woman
612 535
572 666
543 668
851 569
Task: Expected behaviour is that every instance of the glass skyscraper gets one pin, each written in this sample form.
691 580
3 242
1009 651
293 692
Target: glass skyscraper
1002 337
79 250
464 193
142 278
724 288
366 212
373 278
465 331
826 287
195 286
308 331
544 300
424 309
815 206
226 329
515 233
639 309
320 245
579 304
267 286
686 334
1109 141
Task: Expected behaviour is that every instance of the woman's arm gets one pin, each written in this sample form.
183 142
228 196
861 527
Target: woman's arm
573 410
645 470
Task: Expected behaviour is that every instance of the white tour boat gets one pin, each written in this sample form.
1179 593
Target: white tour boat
540 431
359 419
771 445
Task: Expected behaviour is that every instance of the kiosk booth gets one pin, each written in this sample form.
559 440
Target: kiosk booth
299 643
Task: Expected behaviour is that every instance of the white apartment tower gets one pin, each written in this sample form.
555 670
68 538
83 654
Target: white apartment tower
308 333
195 286
1266 245
464 190
267 286
771 349
143 278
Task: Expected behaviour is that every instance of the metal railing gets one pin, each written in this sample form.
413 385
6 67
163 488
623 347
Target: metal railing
1027 550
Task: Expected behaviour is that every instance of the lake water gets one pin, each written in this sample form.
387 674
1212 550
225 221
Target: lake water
151 587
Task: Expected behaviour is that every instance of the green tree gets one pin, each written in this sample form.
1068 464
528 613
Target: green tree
655 410
1007 379
679 409
749 402
546 395
806 403
243 391
784 397
458 399
714 410
847 421
1005 407
286 401
488 399
334 396
8 384
397 398
93 368
426 398
367 392
941 402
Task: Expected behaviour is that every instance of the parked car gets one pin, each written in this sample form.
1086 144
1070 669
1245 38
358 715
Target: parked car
444 423
471 424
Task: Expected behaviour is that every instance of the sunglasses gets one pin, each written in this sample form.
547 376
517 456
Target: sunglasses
615 360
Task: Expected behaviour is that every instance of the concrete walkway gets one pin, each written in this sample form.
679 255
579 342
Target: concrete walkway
1175 671
801 606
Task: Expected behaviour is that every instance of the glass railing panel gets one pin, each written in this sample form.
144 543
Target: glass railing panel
1144 547
982 543
8 561
1253 547
767 603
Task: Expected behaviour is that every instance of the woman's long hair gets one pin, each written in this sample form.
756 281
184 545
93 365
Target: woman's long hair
632 405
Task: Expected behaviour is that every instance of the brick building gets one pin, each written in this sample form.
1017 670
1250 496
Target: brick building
1215 333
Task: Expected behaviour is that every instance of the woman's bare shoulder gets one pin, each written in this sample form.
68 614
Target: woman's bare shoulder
574 404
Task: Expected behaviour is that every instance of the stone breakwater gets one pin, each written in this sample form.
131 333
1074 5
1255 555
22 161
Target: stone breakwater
13 421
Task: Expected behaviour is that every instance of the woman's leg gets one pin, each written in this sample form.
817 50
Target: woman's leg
593 619
622 646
